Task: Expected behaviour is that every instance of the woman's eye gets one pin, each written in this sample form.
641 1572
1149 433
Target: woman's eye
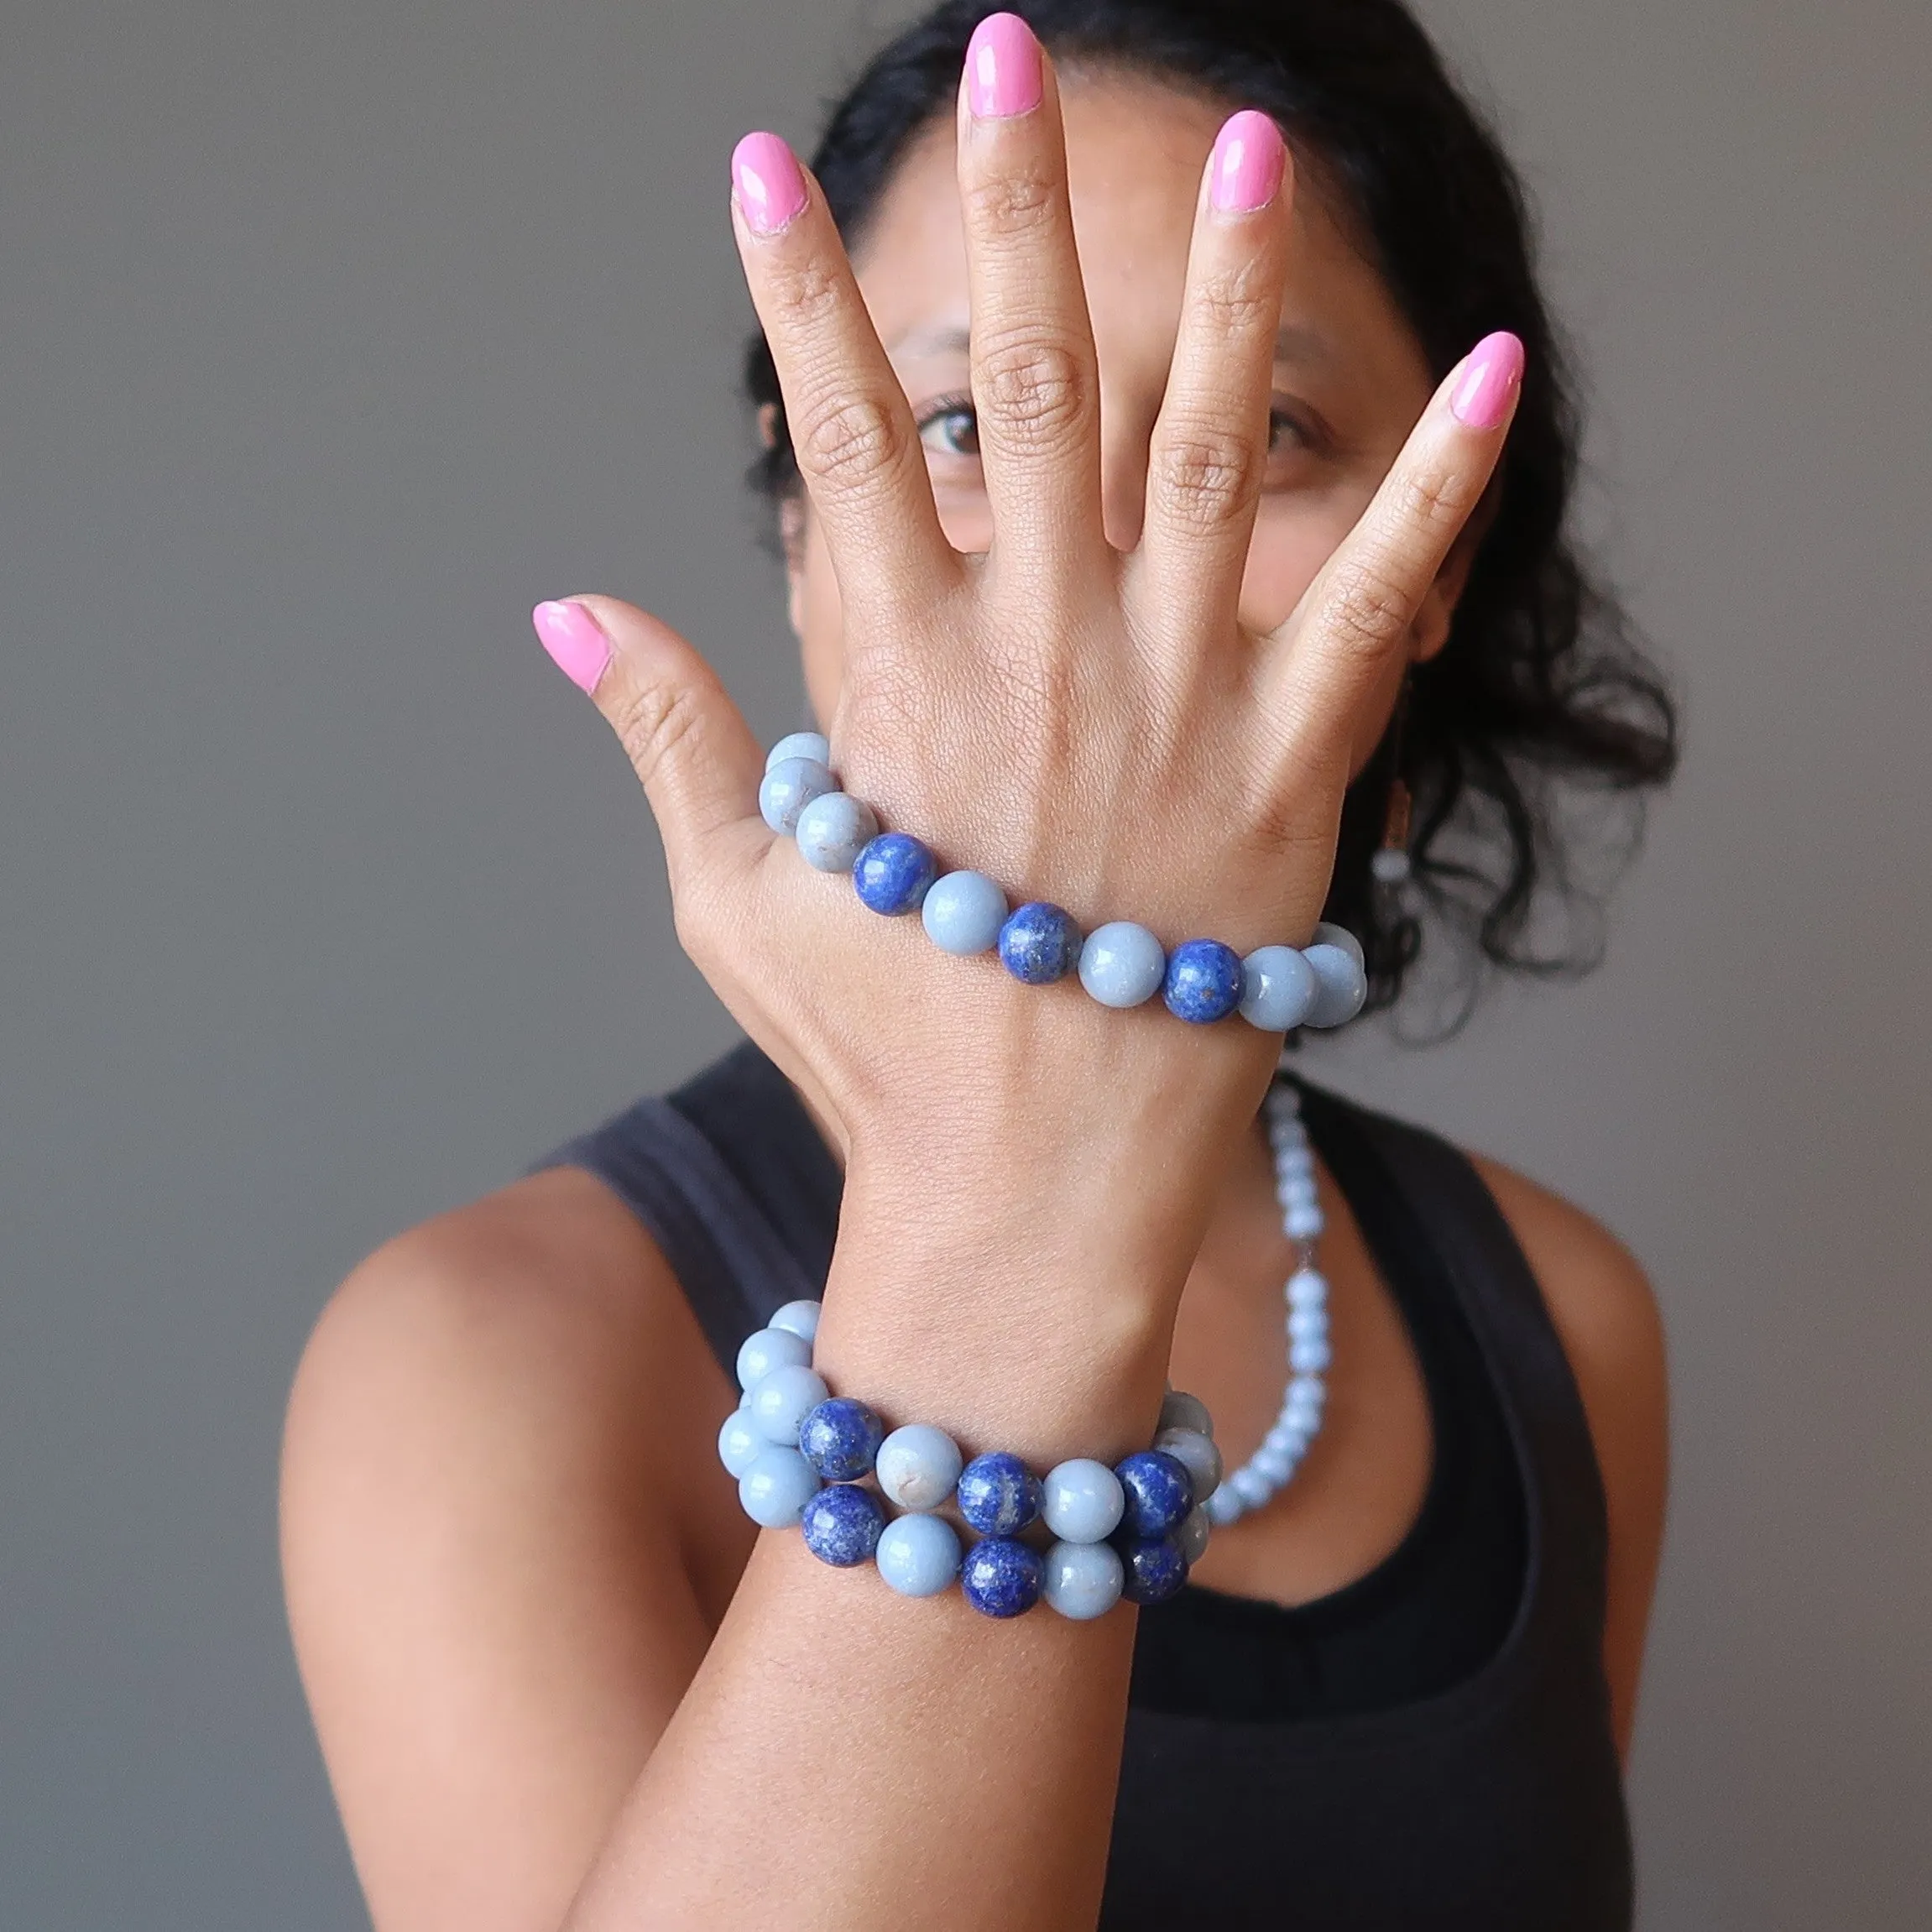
1285 433
950 429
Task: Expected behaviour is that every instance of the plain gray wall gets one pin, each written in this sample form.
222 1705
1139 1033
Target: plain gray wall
333 334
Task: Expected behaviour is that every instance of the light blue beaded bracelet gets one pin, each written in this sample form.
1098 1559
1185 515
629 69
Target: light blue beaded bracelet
1275 988
802 1455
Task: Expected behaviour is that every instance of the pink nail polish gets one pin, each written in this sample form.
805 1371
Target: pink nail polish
769 183
1489 380
579 648
1244 171
1003 76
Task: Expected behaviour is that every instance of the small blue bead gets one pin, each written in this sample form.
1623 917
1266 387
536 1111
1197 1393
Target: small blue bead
840 1439
1000 1577
1159 1493
1081 1580
1328 933
1155 1569
998 1495
776 1487
1082 1500
832 830
1039 944
739 1445
893 873
963 913
769 1349
1196 1454
1122 964
1204 981
842 1525
788 788
781 1401
1343 986
918 1555
799 1318
1180 1411
918 1466
811 745
1278 988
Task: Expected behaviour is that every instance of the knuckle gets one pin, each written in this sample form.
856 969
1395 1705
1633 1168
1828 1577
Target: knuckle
1366 613
1203 478
1035 389
802 293
847 441
654 722
1436 501
1012 205
1239 302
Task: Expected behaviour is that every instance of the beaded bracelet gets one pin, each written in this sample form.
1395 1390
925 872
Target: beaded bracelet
1122 965
800 1454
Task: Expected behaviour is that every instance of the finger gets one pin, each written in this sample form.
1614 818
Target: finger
1318 668
852 430
689 743
1209 448
1036 382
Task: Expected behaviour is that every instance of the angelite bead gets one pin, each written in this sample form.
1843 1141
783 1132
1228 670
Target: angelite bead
1192 1537
1328 933
998 1495
1153 1567
842 1525
963 913
918 1466
1342 985
833 829
840 1439
1082 1500
776 1488
1081 1580
1122 965
1196 1454
781 1401
799 1318
1039 943
1158 1491
811 745
1204 982
768 1348
1181 1411
1000 1577
893 873
740 1444
1278 988
918 1555
789 787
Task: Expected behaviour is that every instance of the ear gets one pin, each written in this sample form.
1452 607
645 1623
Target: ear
1430 631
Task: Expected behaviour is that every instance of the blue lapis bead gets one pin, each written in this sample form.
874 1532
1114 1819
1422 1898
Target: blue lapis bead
788 788
963 913
1154 1569
832 830
1278 988
842 1525
998 1495
1040 943
1122 965
1204 982
813 744
893 873
1000 1577
1158 1489
840 1439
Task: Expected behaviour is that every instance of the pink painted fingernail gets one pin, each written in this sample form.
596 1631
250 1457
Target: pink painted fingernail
771 185
1244 171
1002 76
571 635
1489 380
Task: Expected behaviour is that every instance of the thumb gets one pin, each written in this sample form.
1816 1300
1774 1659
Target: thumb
689 743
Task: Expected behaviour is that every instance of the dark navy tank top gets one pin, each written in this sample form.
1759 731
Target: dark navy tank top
1427 1750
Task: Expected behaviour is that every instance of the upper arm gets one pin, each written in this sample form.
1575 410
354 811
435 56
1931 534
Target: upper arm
1607 1318
491 1604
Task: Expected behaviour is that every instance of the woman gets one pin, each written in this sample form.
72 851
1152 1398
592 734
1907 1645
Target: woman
1148 583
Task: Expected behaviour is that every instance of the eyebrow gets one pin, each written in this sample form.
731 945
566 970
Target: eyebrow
1294 343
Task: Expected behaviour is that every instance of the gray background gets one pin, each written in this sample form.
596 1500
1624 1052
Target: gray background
333 335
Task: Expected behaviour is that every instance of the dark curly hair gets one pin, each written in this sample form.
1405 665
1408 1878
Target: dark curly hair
1544 687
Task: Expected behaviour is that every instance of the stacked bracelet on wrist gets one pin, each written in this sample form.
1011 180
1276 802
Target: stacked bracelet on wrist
1275 988
803 1456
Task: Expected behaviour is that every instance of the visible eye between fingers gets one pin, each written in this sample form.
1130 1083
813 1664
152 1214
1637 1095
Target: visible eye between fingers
949 425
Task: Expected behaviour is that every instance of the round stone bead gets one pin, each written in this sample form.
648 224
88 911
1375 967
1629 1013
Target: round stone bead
1158 1491
776 1488
1204 982
1307 1325
1275 1464
918 1555
1306 1289
1287 1439
1250 1488
799 1318
1181 1411
842 1525
1122 965
789 787
1039 943
769 1349
893 873
1082 1500
781 1401
1389 865
840 1439
1302 1220
740 1444
1309 1358
1328 933
1195 1527
1000 1577
1223 1507
1197 1455
1343 986
833 829
918 1466
1082 1580
963 913
1152 1568
811 745
1278 988
998 1495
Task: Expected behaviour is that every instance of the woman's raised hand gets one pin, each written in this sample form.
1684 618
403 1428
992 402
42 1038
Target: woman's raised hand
1088 726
